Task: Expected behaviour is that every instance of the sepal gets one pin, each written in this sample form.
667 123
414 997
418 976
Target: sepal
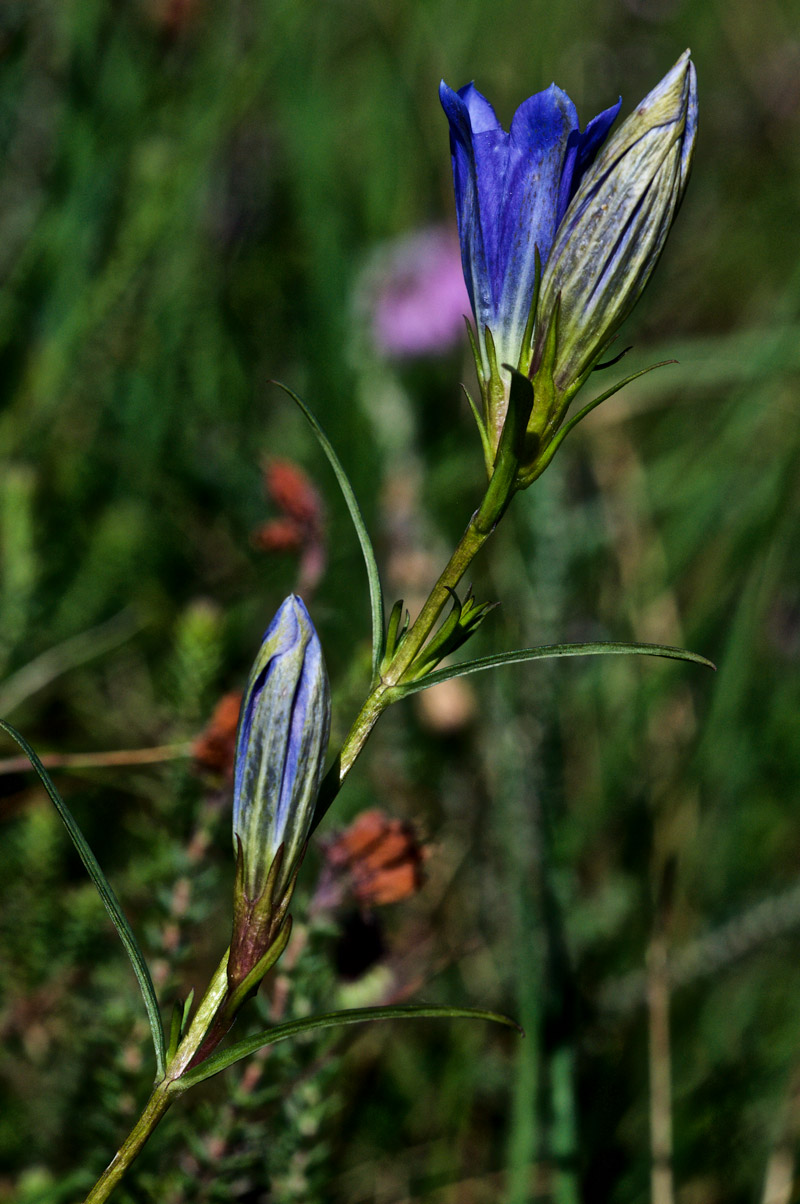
546 411
536 467
512 450
180 1016
261 929
252 980
395 633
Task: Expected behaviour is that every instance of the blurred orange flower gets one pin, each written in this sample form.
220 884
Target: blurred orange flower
214 747
377 859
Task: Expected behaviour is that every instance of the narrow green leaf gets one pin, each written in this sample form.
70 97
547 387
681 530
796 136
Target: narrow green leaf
546 652
175 1025
526 354
59 659
187 1008
394 632
181 1011
440 643
367 551
110 901
510 448
295 1028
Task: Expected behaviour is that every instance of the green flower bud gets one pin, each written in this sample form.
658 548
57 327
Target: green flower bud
280 752
280 748
610 239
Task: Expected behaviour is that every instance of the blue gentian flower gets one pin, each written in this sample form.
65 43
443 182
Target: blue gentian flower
512 191
596 209
280 749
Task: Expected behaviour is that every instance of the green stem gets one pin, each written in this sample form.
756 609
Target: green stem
479 528
154 1109
209 1024
164 1091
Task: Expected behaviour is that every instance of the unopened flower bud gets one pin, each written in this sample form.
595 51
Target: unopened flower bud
612 235
280 750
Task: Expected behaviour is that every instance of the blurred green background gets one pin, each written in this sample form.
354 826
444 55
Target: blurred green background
189 194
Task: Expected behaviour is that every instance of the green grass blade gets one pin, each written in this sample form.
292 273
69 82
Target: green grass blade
72 652
367 551
110 901
295 1028
547 652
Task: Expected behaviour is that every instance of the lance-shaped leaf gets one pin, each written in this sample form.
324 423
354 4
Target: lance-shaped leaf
547 652
296 1028
370 563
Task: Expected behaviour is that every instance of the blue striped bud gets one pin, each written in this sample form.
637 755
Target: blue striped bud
610 239
280 750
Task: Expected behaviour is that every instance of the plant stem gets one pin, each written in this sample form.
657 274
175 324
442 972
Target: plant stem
165 1091
661 1177
154 1109
208 1024
479 528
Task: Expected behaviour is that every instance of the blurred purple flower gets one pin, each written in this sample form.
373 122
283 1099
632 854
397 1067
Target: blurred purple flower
413 297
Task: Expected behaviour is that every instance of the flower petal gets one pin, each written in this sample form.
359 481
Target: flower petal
478 147
690 130
581 153
540 131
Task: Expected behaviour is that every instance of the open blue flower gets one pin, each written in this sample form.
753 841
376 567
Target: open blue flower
512 190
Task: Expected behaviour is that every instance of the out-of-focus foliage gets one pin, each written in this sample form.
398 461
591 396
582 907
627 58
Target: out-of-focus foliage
188 194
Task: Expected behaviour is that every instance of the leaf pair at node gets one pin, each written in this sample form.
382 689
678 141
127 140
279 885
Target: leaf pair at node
462 622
